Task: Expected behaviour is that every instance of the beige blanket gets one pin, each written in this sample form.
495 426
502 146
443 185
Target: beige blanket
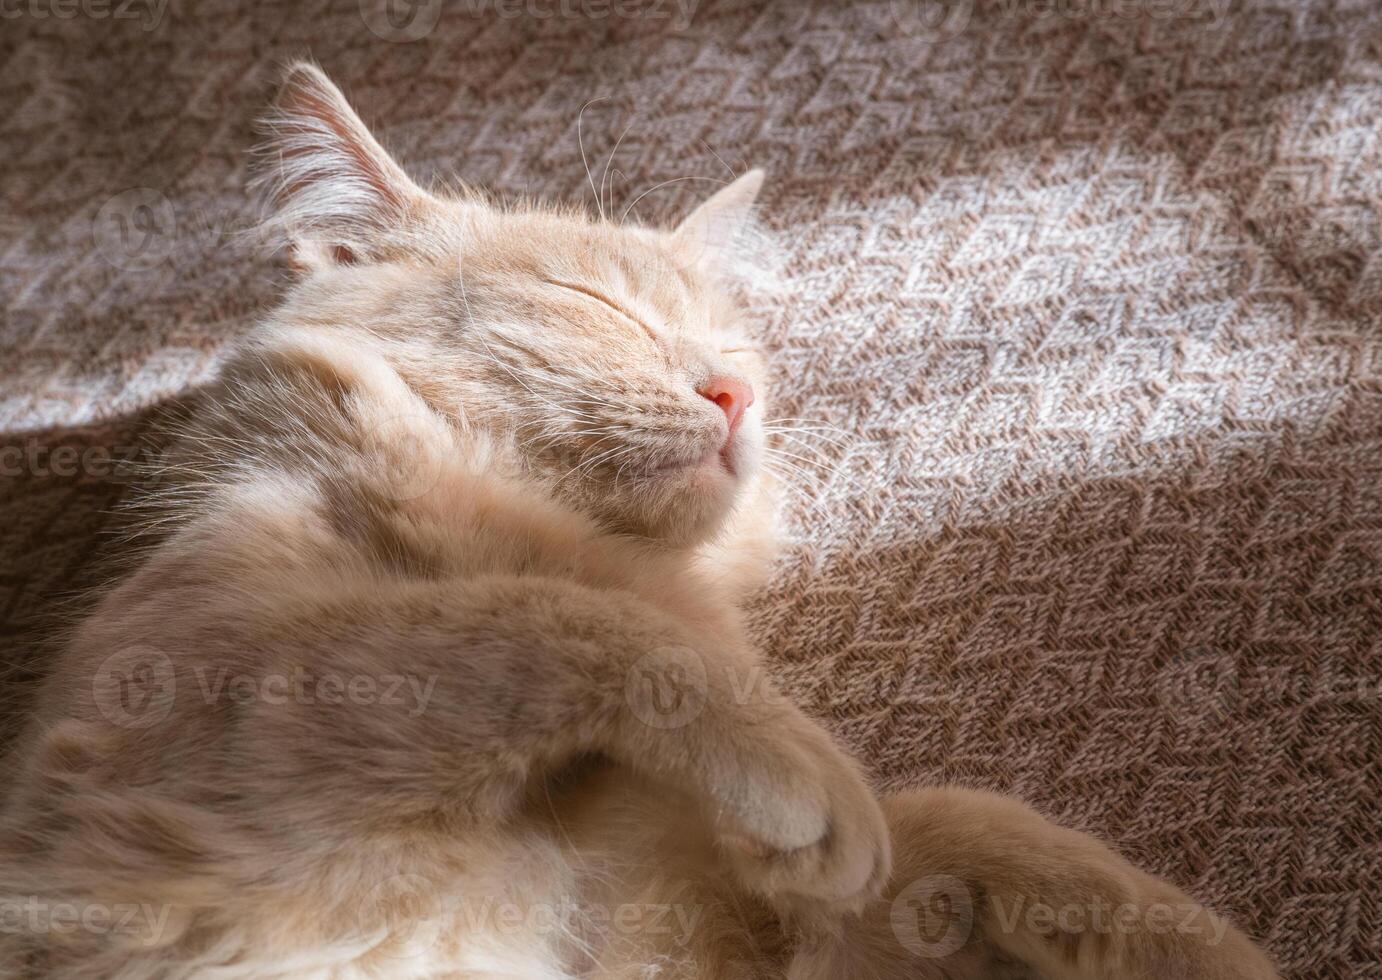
1092 287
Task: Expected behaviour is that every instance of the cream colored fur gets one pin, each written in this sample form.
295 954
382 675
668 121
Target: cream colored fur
464 473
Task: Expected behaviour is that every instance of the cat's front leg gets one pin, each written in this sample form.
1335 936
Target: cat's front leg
526 673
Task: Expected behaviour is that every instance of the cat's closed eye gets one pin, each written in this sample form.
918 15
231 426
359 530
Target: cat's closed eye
600 297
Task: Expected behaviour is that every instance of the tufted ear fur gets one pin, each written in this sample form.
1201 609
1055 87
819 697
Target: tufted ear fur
335 193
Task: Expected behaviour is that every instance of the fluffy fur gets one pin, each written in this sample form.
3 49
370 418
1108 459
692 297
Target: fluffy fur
438 671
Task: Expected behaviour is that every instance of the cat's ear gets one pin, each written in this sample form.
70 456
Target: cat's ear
717 235
334 192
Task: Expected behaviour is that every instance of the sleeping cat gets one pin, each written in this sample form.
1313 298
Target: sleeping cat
437 668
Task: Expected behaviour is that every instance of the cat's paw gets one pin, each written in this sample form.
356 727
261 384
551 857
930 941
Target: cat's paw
811 832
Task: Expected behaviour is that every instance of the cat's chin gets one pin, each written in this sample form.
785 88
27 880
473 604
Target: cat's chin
717 463
694 500
717 475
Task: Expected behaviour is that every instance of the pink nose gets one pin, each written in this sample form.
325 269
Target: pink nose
732 395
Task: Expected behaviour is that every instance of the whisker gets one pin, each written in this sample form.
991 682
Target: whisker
824 423
798 440
801 433
628 451
834 470
616 172
624 217
813 500
580 141
717 156
609 160
787 479
544 439
803 472
583 390
593 461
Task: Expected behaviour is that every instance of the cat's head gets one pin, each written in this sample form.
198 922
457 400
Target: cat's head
613 355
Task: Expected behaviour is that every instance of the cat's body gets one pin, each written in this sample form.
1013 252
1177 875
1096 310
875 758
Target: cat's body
438 670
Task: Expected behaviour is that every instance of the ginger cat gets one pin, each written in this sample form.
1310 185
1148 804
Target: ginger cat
438 670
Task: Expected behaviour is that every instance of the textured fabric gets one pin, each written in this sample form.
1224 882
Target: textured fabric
1093 291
